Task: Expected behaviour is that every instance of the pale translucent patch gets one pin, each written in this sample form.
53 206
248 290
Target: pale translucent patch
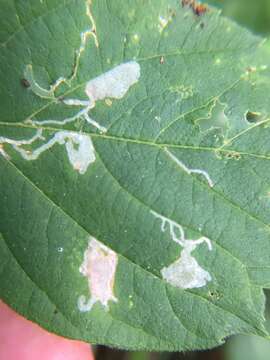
163 22
188 170
185 272
80 150
99 266
216 118
114 83
184 92
136 38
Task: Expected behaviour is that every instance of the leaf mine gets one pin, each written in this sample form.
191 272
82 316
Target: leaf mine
99 267
114 84
185 272
188 170
181 94
80 150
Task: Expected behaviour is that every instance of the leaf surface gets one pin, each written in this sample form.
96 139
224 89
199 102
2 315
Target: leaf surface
182 154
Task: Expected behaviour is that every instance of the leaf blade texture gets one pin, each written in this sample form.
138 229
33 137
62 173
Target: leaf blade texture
134 172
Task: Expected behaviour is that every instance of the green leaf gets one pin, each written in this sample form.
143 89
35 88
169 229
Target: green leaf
135 172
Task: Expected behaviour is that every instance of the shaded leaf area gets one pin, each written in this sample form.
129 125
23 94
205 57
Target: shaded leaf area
236 348
178 144
104 353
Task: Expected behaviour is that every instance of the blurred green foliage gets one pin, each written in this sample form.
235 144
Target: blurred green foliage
254 14
247 348
250 347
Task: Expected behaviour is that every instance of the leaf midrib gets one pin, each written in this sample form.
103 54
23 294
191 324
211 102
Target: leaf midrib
163 146
150 143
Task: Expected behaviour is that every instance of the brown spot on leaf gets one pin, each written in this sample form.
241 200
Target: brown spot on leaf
25 83
197 8
233 155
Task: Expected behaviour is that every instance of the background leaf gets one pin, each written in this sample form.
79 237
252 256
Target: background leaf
252 14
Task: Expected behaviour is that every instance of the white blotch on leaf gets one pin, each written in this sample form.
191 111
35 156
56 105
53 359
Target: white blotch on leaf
80 150
99 266
185 272
188 170
114 83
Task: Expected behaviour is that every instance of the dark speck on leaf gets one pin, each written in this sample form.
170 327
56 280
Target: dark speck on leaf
60 98
25 83
172 12
253 117
186 2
